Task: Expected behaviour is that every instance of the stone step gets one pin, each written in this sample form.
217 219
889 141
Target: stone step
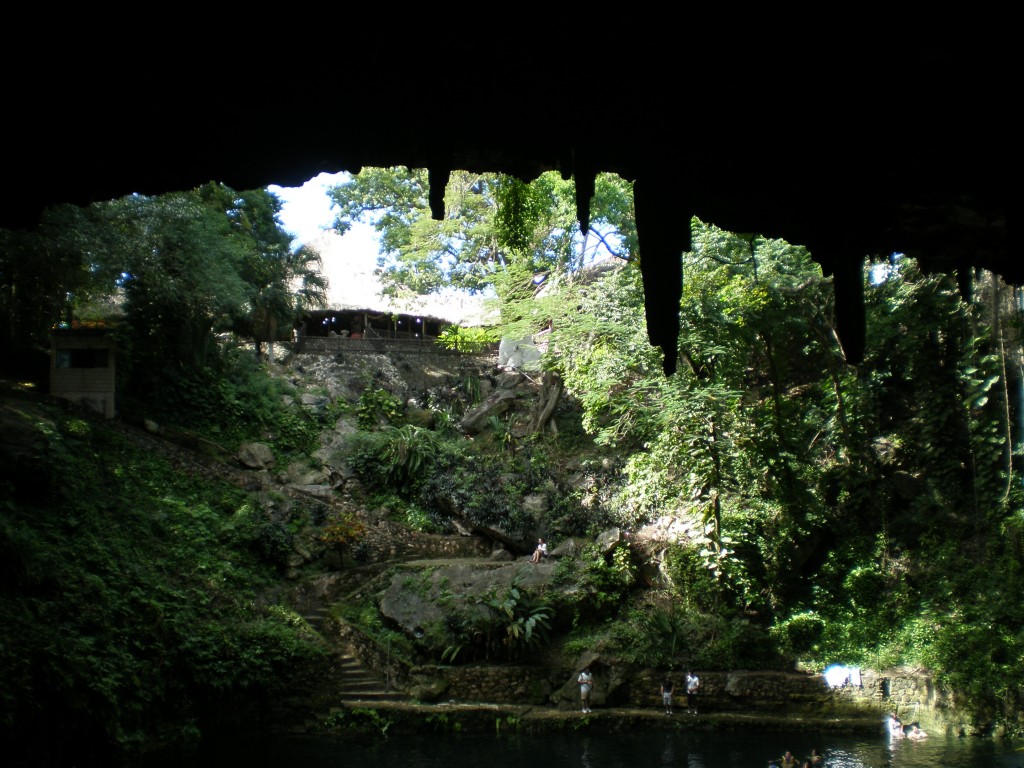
315 618
371 696
357 683
361 683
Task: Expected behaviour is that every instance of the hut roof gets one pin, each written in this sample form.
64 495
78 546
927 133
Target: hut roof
352 285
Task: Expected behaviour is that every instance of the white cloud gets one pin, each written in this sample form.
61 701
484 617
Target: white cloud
349 260
307 211
352 284
307 214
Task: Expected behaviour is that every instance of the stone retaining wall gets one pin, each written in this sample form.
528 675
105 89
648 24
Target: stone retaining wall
736 691
906 691
498 685
909 692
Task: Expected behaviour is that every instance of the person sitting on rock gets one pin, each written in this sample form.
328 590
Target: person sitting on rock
540 552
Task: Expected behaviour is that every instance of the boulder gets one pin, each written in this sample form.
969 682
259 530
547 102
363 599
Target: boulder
476 419
256 456
416 599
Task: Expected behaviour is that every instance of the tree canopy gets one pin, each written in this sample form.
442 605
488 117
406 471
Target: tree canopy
494 226
824 492
180 269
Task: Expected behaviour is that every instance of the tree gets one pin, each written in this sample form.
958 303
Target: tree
46 279
499 234
282 283
730 439
182 268
494 225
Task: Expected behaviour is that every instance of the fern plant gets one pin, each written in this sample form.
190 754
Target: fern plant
409 452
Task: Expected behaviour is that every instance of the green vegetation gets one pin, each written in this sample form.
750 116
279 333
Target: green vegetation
181 279
358 720
508 724
128 596
377 408
468 340
498 625
809 511
443 723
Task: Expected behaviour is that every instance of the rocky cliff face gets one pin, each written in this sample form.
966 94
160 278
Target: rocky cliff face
417 582
409 576
485 401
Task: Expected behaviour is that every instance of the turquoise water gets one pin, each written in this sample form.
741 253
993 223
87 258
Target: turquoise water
584 749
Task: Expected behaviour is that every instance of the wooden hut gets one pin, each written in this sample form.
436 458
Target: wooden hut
82 367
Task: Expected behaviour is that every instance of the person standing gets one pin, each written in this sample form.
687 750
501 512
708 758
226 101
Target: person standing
586 682
692 688
895 726
667 689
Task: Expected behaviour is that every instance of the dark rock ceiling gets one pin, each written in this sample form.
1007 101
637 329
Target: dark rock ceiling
915 154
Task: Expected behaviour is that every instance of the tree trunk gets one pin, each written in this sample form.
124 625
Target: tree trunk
447 504
551 391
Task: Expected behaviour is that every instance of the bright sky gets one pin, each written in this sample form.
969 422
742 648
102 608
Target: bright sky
348 261
306 211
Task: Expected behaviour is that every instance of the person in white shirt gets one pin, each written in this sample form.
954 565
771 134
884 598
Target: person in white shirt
692 688
540 552
586 682
895 727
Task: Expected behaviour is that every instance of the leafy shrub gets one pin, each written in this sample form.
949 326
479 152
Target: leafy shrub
801 634
273 541
471 340
691 579
482 487
377 407
506 625
736 643
569 517
343 529
134 561
418 519
444 417
358 720
656 634
602 583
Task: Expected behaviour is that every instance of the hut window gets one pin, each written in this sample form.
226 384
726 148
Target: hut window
82 358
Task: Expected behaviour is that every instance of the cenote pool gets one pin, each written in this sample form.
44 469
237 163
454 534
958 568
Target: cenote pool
594 749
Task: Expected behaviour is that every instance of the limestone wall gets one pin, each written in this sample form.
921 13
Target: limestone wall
499 685
734 691
909 692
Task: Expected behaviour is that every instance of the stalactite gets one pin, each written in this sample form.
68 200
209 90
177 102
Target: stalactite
585 184
663 233
437 179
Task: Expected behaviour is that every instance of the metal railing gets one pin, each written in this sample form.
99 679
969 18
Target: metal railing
378 344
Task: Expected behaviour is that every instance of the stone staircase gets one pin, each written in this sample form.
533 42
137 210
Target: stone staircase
315 616
359 685
354 682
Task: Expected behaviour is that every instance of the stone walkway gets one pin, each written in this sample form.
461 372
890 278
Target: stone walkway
407 716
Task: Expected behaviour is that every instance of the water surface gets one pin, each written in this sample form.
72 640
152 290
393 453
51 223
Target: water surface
594 749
